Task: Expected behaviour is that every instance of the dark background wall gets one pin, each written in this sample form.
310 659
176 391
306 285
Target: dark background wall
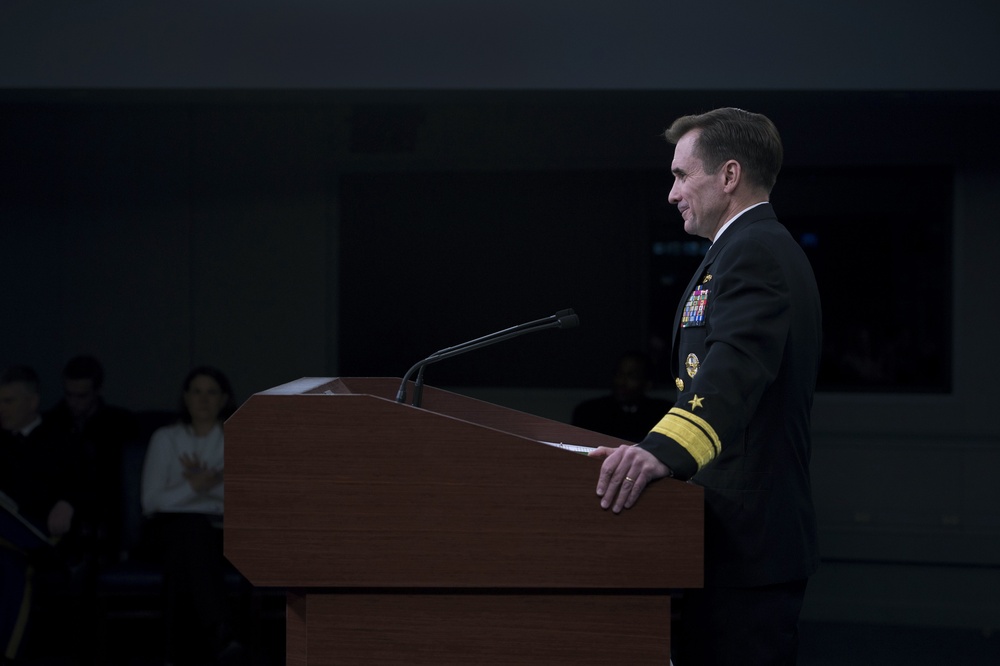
200 182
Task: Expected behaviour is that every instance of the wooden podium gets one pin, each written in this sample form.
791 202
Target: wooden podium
447 533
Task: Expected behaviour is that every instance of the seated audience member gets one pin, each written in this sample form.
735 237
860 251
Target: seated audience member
37 474
627 412
99 432
182 494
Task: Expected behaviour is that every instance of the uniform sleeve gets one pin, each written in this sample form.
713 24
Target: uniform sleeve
735 357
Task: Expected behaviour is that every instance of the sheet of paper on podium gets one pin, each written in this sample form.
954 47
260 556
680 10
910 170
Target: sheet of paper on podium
575 448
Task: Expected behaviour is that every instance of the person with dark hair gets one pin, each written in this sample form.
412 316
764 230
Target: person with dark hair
99 431
747 343
37 476
627 412
182 494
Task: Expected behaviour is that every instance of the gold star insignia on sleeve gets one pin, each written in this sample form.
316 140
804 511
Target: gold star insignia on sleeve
696 402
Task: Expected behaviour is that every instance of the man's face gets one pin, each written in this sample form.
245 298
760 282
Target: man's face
18 406
81 397
699 196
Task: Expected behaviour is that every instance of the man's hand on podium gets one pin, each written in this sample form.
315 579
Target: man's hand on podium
625 473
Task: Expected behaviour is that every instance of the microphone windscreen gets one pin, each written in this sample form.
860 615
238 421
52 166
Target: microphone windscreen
569 321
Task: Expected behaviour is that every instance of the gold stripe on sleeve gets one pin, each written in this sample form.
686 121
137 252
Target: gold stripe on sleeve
693 433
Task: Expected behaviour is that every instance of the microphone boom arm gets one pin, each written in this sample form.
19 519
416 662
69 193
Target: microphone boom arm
561 319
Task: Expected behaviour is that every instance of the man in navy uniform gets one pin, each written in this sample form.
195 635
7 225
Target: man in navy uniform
747 341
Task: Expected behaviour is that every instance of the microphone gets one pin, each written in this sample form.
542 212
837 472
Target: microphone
565 319
561 319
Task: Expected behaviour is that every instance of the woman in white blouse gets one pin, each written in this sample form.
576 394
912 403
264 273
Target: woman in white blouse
182 495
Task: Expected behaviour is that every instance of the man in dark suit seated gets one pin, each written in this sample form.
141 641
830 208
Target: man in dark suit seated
39 474
98 433
627 412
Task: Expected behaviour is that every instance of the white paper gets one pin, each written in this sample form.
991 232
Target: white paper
575 448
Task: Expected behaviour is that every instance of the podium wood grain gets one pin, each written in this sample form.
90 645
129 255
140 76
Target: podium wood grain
434 534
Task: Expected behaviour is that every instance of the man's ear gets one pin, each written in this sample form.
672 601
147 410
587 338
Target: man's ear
732 174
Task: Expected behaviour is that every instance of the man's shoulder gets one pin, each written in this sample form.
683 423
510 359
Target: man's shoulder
47 430
48 439
599 404
115 417
58 415
764 234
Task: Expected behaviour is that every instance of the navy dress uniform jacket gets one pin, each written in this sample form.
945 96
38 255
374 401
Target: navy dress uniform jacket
747 344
